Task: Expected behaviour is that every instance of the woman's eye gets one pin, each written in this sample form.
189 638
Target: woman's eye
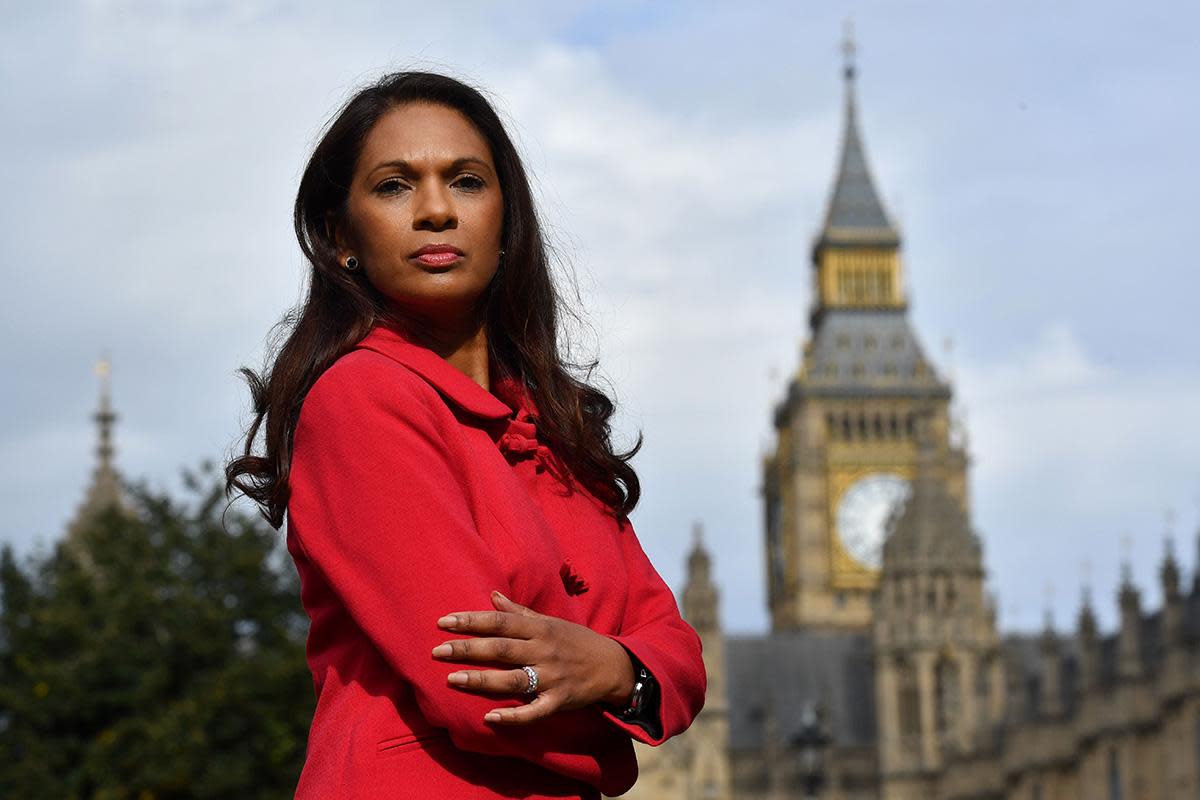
395 185
470 182
391 186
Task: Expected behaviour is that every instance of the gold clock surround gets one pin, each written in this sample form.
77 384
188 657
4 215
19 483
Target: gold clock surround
845 571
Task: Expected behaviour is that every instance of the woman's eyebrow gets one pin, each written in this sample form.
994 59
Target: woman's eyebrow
458 163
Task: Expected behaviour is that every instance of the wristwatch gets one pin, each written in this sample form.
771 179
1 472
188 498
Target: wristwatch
643 685
642 706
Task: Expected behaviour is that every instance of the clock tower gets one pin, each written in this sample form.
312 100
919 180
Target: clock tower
845 447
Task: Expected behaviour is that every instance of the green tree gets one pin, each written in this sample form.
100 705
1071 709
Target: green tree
159 655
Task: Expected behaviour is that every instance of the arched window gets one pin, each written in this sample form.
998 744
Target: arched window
983 680
909 704
946 692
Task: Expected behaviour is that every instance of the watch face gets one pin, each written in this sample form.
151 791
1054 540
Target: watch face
863 513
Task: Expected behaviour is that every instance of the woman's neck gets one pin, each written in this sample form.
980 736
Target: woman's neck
468 354
464 346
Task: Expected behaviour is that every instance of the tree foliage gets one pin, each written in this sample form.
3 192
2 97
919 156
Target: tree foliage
158 655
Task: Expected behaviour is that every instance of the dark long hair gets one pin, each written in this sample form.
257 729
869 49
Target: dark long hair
521 308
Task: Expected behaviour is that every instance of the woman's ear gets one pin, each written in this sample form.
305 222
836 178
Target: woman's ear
335 230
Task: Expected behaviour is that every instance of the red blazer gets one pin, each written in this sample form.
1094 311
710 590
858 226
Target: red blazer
415 493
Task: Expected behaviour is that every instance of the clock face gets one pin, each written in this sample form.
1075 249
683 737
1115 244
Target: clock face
863 513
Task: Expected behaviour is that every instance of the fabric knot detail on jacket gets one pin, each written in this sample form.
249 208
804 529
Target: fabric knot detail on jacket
520 441
574 584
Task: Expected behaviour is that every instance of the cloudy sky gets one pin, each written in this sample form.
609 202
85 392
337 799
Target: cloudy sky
1039 160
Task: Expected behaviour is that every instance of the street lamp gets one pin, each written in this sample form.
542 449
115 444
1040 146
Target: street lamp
812 741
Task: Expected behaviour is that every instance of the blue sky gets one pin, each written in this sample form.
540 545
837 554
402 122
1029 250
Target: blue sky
1038 159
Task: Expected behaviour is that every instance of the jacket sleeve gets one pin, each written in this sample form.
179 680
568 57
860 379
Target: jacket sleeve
657 636
381 511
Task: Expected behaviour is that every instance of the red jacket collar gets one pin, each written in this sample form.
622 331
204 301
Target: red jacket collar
446 378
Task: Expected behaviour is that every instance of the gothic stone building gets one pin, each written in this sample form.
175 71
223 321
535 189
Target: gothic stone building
883 675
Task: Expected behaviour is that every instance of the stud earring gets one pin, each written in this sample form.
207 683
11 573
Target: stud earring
351 263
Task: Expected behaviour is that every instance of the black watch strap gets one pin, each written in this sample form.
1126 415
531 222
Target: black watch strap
642 709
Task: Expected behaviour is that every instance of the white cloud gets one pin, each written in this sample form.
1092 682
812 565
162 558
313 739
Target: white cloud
1071 455
682 181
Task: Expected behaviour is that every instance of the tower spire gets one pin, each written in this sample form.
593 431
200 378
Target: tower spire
1087 615
700 593
1048 608
105 488
1169 571
855 214
105 416
849 51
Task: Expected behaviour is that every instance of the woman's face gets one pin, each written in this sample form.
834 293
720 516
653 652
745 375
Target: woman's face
425 177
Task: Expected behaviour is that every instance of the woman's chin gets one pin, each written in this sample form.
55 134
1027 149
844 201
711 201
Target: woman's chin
447 302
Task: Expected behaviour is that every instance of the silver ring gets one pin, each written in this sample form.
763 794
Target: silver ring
533 680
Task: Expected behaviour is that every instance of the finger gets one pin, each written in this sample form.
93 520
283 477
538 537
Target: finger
506 651
500 622
540 707
495 681
504 604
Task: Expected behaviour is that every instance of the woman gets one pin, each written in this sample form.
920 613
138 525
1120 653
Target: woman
484 622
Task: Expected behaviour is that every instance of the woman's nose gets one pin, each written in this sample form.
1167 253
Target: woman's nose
434 209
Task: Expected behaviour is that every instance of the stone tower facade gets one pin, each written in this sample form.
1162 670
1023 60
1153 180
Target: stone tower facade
883 675
939 677
845 452
696 765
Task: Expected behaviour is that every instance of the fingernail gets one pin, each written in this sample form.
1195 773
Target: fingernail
497 593
457 678
492 716
442 650
448 621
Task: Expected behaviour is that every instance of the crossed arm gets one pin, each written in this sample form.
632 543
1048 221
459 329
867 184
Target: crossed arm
576 666
375 515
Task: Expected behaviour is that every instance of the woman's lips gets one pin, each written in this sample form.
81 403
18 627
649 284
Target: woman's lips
438 259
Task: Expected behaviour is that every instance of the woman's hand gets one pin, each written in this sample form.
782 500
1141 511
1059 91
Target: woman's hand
575 665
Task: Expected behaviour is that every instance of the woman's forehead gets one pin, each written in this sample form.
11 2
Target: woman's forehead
423 136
